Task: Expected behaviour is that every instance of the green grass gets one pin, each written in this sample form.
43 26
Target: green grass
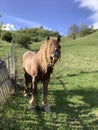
73 91
4 49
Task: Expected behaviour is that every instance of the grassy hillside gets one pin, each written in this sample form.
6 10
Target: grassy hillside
73 91
81 54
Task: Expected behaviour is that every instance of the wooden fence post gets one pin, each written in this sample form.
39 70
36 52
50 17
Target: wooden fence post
7 75
6 86
12 63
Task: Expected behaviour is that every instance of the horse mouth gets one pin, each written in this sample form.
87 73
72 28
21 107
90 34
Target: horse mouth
54 58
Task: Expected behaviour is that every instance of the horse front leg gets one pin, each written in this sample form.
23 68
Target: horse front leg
45 103
32 102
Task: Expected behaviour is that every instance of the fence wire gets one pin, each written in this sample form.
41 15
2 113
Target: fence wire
7 76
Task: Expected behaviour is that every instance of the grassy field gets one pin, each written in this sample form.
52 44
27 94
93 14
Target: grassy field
4 49
73 91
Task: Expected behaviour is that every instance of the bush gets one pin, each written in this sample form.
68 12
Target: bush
7 36
36 39
22 39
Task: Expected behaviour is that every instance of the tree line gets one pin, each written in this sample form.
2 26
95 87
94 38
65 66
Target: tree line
74 31
26 36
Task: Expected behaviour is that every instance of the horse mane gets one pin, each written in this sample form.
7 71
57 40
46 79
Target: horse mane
45 52
44 55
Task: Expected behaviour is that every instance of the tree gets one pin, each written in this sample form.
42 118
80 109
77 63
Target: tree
83 30
73 29
41 27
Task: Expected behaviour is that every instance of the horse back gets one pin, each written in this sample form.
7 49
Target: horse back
28 55
27 58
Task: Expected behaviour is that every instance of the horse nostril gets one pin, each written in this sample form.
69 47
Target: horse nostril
51 57
56 49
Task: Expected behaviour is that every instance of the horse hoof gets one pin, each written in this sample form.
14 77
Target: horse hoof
46 108
32 108
25 94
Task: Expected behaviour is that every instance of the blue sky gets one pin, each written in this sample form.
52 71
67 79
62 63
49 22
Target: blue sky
57 15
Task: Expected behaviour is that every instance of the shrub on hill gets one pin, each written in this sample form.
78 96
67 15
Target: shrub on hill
37 39
7 36
39 32
22 39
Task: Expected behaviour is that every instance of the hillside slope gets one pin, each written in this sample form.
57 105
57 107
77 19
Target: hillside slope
80 54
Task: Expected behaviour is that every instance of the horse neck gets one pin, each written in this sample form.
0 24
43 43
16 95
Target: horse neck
44 63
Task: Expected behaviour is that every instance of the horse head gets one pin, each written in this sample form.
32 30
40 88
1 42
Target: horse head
53 50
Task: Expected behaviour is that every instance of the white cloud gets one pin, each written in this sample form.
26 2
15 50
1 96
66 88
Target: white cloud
47 28
95 25
9 27
90 4
93 6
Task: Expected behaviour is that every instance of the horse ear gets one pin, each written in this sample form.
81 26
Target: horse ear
58 39
48 38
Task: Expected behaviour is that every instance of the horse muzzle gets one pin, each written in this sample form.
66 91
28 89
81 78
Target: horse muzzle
54 57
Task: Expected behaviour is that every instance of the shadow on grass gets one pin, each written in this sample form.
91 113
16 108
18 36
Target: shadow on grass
8 115
78 114
71 109
81 73
77 105
15 115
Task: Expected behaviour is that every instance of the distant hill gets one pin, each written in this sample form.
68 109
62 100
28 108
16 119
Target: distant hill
90 39
26 36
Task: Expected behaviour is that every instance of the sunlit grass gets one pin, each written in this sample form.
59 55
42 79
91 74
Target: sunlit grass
4 49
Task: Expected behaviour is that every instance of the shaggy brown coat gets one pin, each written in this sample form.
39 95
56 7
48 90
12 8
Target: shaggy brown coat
39 65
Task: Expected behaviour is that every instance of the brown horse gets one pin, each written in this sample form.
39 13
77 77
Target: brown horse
38 66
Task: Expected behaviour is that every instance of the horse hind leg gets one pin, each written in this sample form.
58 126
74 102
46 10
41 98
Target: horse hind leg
27 81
